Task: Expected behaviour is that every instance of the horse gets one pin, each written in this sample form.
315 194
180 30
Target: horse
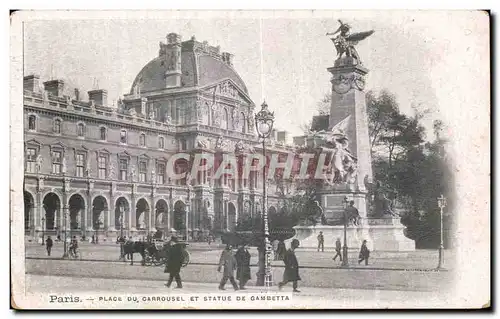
141 247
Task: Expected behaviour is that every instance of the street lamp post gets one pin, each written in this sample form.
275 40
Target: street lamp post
441 204
43 231
188 206
65 254
264 121
122 255
345 256
98 225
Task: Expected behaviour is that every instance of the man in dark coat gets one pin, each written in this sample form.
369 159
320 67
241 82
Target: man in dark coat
338 249
174 263
321 241
291 267
227 263
48 245
281 250
364 253
243 266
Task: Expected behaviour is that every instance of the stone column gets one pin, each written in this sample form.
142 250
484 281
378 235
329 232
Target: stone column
226 213
112 208
152 216
111 214
88 225
170 211
38 211
132 220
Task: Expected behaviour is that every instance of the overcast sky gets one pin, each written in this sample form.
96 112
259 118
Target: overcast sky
424 58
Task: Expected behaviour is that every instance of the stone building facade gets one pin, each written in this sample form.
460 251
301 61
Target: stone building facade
94 168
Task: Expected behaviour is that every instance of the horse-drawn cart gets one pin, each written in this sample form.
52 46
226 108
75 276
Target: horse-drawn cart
157 253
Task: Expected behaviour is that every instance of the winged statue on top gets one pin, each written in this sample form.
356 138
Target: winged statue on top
345 42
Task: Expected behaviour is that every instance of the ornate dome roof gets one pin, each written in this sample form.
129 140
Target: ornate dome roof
201 65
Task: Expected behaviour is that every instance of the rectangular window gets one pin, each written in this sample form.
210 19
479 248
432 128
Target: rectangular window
81 130
142 171
161 173
123 137
123 169
31 160
102 167
32 123
57 126
80 164
56 162
103 133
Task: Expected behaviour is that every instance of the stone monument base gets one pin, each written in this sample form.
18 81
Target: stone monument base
382 234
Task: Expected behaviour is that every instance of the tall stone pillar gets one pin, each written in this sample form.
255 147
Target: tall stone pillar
348 113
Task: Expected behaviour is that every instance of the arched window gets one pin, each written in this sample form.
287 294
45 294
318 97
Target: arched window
142 139
212 115
205 113
32 123
57 126
80 130
243 122
103 133
123 137
161 142
183 145
224 122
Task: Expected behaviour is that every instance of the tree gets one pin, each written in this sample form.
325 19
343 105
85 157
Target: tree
324 105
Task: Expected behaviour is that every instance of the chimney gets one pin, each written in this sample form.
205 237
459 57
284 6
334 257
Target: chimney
272 136
172 60
77 94
100 97
143 106
31 83
227 58
54 87
299 140
282 136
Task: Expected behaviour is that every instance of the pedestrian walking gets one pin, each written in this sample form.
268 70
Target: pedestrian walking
338 249
73 247
291 267
281 250
209 239
48 245
321 241
243 263
364 253
228 262
275 248
175 258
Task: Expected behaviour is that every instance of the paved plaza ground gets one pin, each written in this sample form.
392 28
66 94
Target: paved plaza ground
202 253
387 271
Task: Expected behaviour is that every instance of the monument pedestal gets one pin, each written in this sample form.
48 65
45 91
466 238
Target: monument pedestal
381 234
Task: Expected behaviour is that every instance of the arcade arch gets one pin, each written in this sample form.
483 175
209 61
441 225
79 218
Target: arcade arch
99 212
142 214
51 207
161 215
122 209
